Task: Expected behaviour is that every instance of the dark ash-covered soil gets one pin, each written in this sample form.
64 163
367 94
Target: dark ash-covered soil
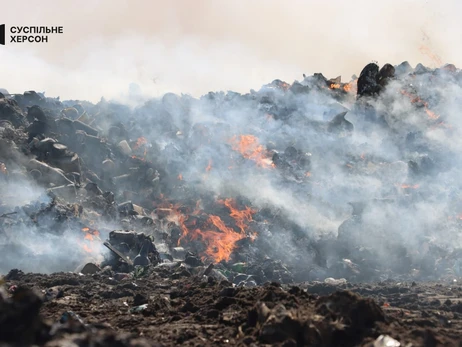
181 308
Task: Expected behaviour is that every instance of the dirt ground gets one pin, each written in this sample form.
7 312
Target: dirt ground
172 306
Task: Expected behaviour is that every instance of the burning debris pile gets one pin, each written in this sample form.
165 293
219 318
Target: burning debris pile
318 180
290 183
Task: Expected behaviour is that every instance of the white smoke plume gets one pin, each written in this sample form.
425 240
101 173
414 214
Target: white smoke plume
194 47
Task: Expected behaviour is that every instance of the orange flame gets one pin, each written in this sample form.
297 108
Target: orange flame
431 114
221 245
347 87
241 217
283 85
140 142
3 169
414 99
219 238
249 147
180 177
90 235
136 157
209 167
408 186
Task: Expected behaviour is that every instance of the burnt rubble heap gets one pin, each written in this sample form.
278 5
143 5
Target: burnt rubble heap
318 180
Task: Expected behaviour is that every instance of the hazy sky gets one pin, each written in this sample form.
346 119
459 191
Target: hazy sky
194 46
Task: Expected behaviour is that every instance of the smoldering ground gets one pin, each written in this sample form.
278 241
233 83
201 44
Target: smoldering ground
406 171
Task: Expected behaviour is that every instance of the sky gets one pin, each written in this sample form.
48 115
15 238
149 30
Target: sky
193 47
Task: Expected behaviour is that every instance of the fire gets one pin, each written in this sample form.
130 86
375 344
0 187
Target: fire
307 174
408 186
3 169
90 235
249 147
414 99
209 167
140 142
180 177
283 85
243 217
136 157
219 238
347 87
431 114
220 244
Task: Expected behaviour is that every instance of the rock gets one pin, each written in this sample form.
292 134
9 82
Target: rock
178 252
93 188
335 282
49 174
89 269
10 111
403 68
140 299
108 165
367 81
44 145
125 147
70 113
340 125
67 192
142 257
386 73
36 113
68 163
19 318
386 341
78 125
65 126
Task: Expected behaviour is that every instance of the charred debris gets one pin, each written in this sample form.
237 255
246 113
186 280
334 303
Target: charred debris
169 184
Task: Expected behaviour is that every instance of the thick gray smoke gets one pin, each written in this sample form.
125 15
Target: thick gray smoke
400 174
40 245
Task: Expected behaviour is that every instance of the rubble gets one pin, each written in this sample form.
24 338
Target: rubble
208 211
162 310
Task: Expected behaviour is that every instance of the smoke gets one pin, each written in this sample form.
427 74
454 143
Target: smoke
195 47
41 243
